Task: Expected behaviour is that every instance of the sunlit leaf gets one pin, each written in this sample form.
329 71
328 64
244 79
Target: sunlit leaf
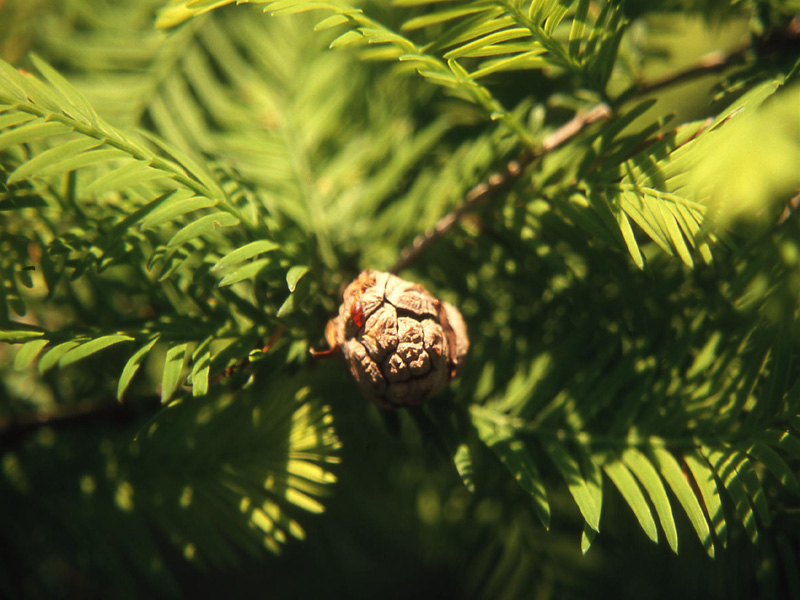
88 348
202 226
294 275
28 352
669 469
570 471
201 365
244 253
132 366
173 367
52 356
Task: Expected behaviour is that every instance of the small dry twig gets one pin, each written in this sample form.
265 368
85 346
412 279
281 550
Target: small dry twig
483 191
791 208
713 62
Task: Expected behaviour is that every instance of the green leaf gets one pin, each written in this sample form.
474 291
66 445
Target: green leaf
331 22
12 118
481 42
88 158
201 366
135 172
90 347
173 366
663 217
774 463
175 13
587 538
288 307
784 440
202 226
113 237
28 352
294 275
174 209
593 476
19 336
782 357
440 77
651 482
672 473
627 486
70 94
32 131
578 27
692 227
244 253
518 460
555 18
753 487
748 102
51 357
627 235
636 209
173 262
727 468
707 484
675 234
247 271
51 156
132 366
347 38
185 163
527 60
13 84
439 17
570 471
462 459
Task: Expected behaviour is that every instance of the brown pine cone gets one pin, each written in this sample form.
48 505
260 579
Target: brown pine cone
402 345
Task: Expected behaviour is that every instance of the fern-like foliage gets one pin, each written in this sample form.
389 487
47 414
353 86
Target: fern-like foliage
214 496
99 217
177 220
698 410
680 449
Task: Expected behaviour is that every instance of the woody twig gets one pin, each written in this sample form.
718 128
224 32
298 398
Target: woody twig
478 195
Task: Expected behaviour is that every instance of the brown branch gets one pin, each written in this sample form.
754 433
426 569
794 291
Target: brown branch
718 61
93 411
483 191
80 413
791 208
713 62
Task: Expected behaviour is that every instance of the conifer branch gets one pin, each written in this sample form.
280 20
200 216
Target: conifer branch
484 190
92 411
714 62
80 413
718 61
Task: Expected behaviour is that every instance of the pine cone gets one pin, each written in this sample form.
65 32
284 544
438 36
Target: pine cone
402 345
